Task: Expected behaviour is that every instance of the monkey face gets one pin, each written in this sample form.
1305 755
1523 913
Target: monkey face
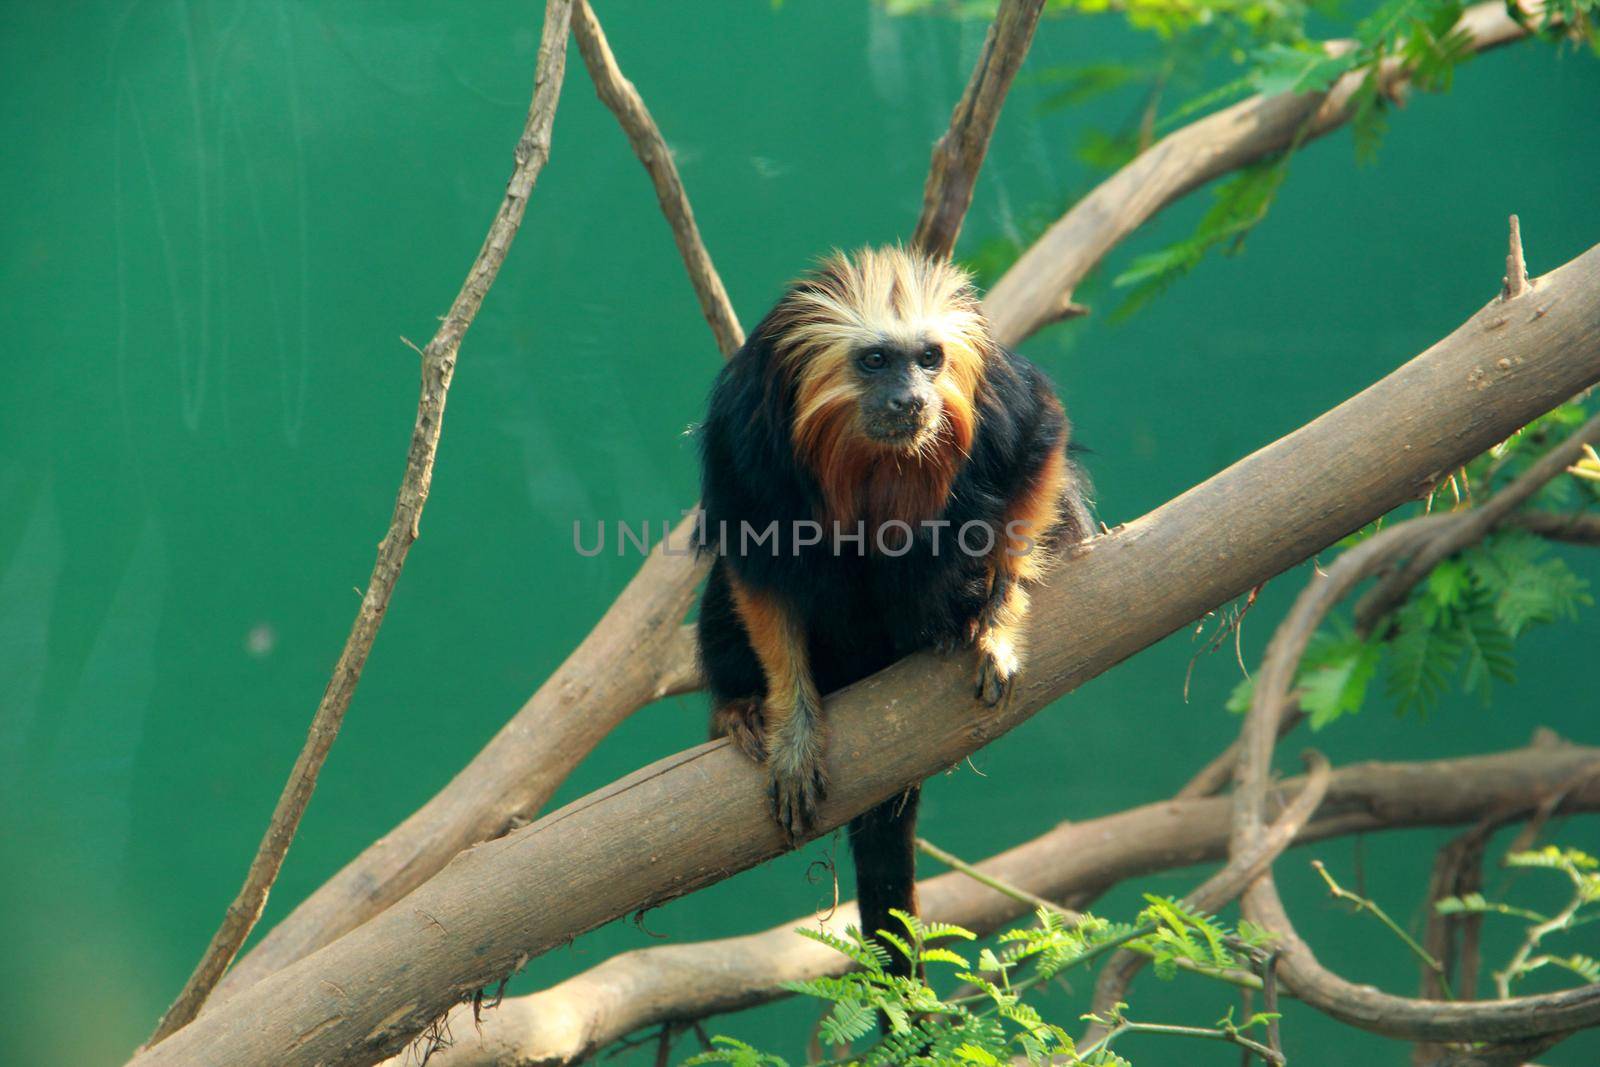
897 402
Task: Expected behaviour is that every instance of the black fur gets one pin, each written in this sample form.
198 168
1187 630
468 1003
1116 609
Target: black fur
862 611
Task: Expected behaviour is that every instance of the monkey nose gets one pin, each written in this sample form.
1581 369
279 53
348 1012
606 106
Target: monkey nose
906 404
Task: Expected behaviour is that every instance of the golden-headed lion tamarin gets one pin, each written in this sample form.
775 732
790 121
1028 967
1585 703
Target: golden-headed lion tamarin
878 476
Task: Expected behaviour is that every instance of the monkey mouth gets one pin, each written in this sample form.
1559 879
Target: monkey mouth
903 434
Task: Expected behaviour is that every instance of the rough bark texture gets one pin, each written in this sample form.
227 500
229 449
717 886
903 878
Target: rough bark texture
958 155
1037 290
701 815
1075 862
438 366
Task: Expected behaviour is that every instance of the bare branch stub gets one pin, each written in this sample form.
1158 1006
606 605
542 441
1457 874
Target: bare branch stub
958 155
438 367
1515 283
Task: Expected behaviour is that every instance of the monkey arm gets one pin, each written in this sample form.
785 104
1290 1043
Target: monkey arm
792 711
1034 530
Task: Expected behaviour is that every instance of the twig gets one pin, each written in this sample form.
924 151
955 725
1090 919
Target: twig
1022 896
1561 920
620 96
1372 908
1232 1036
959 154
438 366
1515 283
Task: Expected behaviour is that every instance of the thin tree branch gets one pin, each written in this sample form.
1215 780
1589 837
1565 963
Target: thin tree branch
958 155
619 95
1076 861
1515 1021
438 367
1039 285
1244 867
638 651
630 846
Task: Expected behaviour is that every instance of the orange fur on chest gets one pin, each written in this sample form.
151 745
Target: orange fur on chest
864 482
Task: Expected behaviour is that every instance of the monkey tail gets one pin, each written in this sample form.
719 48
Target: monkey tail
884 843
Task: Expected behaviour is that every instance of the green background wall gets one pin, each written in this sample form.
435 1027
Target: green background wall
220 218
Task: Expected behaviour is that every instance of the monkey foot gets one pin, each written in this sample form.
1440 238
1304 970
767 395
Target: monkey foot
995 680
743 722
796 799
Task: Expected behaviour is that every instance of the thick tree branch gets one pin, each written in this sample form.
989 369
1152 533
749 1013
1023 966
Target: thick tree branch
1037 290
698 816
618 94
1075 862
438 366
958 155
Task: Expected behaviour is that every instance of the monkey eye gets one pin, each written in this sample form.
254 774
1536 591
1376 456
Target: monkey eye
930 357
873 359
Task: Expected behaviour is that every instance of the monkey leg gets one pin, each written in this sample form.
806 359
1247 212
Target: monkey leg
794 738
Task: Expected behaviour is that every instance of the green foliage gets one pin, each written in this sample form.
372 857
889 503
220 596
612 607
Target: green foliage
1579 868
1237 205
995 1024
1459 626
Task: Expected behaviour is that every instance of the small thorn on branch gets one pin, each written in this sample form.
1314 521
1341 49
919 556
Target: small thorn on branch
1515 282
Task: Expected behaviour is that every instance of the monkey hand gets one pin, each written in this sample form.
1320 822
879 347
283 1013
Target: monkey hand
799 780
998 663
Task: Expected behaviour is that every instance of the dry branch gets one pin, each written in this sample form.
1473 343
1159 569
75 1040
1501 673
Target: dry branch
699 816
1523 1024
958 155
438 366
1420 545
1076 862
636 652
1037 290
618 94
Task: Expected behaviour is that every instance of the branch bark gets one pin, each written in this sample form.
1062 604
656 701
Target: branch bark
619 95
438 367
1037 290
958 155
697 817
1075 862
